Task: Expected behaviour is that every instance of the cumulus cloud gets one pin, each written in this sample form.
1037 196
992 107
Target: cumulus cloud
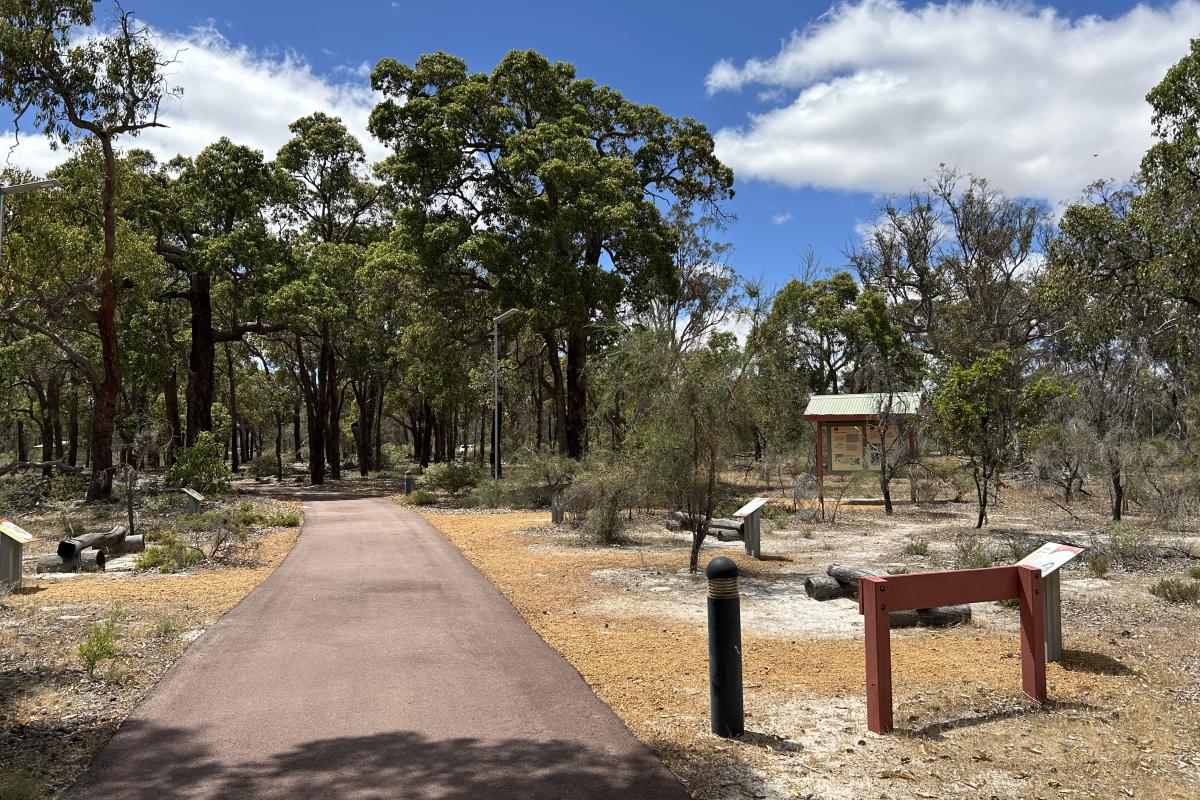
233 91
779 219
1039 103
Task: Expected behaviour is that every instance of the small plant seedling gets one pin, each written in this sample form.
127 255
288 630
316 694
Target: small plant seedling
972 553
100 643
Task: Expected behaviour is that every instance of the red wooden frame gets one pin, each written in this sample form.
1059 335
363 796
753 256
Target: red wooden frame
879 596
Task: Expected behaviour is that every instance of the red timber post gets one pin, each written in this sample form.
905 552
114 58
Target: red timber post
877 624
1033 634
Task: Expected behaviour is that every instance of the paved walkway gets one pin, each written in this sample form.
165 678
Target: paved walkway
376 662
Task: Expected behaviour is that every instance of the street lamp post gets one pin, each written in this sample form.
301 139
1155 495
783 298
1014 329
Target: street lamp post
5 191
512 312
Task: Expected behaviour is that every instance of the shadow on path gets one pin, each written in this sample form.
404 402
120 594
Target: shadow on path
172 764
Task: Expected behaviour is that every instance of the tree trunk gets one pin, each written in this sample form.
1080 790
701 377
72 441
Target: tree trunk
22 451
576 427
296 444
1118 495
171 406
278 446
73 428
201 357
328 383
108 388
234 428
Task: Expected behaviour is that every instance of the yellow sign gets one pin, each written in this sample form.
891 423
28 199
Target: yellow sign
14 531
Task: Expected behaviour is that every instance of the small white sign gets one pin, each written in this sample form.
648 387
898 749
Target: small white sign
751 507
192 493
15 531
1050 557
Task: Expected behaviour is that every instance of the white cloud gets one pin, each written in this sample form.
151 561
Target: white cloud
1038 103
232 91
779 219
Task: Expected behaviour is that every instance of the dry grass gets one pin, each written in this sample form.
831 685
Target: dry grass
1115 726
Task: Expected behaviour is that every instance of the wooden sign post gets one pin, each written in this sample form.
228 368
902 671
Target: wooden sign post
13 539
1049 558
751 516
194 501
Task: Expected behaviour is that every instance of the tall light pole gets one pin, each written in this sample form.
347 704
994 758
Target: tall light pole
5 191
512 312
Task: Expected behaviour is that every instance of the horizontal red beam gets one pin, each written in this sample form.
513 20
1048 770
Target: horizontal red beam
930 589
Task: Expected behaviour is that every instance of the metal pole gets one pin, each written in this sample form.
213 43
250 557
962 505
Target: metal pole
724 648
495 413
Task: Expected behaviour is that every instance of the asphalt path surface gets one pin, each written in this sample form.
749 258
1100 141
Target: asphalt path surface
376 662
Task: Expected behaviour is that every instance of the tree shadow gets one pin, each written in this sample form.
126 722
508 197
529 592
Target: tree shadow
149 761
1093 663
937 731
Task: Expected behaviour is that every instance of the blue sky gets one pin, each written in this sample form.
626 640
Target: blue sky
851 103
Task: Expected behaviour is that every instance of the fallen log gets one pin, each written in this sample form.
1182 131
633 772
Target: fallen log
848 577
69 549
92 561
52 563
130 544
823 587
940 617
691 521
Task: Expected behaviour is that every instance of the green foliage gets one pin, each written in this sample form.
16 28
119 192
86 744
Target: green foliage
916 547
169 553
421 497
971 552
20 784
1174 590
165 627
595 500
262 466
283 519
451 477
201 466
1194 573
1098 564
1127 544
99 644
533 480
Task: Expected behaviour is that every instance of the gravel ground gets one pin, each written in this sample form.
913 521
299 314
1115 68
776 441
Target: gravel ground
1122 721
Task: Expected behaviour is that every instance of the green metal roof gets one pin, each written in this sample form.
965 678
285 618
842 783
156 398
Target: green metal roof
861 405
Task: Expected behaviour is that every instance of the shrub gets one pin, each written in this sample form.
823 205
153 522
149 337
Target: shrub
916 547
1126 543
165 628
168 554
595 499
1194 573
99 644
218 530
972 553
420 497
451 477
20 784
1021 547
537 476
262 466
1098 564
1174 590
284 519
201 466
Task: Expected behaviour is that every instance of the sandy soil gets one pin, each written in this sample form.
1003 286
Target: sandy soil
1122 721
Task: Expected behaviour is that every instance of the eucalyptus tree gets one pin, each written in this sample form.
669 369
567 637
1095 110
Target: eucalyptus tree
102 87
557 183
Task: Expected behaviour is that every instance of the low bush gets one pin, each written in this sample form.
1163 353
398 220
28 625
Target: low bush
1174 590
916 547
451 477
595 501
201 466
1098 564
99 644
262 466
420 497
1126 543
972 553
1194 573
168 554
283 519
20 784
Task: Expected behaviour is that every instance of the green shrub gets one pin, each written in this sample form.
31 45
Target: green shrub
66 487
201 466
99 644
1098 564
262 466
284 519
420 497
169 555
1127 544
1194 573
916 547
595 500
165 628
1174 590
451 477
536 477
1019 548
971 552
20 784
215 531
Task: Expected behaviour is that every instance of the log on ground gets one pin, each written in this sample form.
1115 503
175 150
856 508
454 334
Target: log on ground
823 587
53 563
848 577
940 617
92 561
69 549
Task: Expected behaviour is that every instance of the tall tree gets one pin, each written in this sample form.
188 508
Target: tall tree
103 87
556 180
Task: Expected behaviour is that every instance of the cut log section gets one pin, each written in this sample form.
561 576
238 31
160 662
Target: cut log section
848 577
823 587
69 549
715 525
52 563
92 561
130 544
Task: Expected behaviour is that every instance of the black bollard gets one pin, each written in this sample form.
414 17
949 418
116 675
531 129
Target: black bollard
724 648
408 483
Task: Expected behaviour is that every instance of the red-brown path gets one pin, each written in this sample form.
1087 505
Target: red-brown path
376 662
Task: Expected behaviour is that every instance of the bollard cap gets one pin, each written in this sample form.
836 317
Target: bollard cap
721 567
